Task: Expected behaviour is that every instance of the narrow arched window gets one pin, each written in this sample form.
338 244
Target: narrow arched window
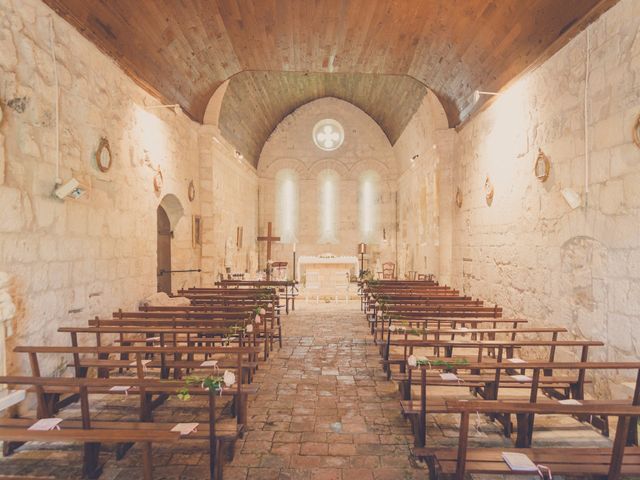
368 194
287 205
328 189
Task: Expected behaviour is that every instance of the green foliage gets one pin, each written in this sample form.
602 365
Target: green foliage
443 363
211 383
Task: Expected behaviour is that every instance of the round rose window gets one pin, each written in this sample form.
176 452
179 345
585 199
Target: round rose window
328 134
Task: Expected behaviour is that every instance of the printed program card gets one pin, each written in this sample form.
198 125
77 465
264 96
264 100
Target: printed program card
516 360
120 388
185 428
209 363
45 424
521 378
449 376
519 462
569 401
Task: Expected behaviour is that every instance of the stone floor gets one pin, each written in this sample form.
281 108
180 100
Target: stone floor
324 411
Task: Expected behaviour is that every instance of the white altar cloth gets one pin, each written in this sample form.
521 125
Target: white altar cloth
352 261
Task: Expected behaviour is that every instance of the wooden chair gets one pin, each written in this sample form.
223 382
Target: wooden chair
312 283
341 283
388 271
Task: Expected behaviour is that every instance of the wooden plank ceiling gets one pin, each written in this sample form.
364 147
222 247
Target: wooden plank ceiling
271 96
182 50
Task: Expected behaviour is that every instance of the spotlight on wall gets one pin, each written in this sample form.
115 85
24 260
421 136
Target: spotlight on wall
72 189
571 197
174 106
477 93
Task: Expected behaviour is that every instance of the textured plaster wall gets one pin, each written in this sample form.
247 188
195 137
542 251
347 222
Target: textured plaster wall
424 152
365 148
230 200
68 261
529 251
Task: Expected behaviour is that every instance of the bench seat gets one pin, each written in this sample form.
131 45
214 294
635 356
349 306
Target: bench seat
561 461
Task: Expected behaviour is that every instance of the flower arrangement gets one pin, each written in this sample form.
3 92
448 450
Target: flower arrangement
211 383
414 361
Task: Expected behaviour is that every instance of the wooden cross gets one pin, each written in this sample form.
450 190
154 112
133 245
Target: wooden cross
269 239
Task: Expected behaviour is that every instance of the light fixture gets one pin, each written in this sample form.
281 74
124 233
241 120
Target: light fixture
571 197
477 93
175 107
73 189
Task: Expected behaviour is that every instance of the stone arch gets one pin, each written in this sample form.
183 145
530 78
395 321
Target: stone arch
173 207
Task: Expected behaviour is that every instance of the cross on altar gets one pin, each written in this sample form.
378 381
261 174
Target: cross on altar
269 239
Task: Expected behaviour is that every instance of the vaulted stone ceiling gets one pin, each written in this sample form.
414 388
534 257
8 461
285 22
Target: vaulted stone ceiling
182 51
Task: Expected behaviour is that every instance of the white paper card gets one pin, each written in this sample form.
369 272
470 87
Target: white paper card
185 428
45 424
119 388
569 401
209 363
152 339
516 360
143 362
448 376
521 378
519 462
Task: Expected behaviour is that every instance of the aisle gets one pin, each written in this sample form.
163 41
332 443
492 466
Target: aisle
324 409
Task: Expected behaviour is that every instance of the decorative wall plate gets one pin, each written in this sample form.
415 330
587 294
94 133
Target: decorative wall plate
636 132
103 155
158 181
458 198
542 166
191 191
488 191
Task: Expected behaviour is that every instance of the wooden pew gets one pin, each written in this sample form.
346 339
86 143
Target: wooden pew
614 462
14 431
50 402
416 411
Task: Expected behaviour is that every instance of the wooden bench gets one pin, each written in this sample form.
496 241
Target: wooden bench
91 433
612 463
49 401
416 411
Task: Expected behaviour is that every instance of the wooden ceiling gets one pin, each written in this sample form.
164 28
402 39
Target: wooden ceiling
390 100
182 50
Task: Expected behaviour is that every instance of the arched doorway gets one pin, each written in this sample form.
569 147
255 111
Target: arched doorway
164 251
170 211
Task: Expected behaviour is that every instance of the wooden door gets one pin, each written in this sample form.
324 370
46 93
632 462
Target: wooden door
164 252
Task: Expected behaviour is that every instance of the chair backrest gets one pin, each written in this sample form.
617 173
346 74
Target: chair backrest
341 279
313 280
388 271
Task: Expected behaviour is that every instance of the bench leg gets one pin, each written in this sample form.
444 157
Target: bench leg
91 461
122 449
147 461
8 448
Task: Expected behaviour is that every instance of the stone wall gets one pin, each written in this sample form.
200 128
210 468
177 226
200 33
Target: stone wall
71 260
529 251
365 148
424 152
230 200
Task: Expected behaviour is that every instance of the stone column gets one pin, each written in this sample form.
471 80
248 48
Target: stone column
206 152
445 146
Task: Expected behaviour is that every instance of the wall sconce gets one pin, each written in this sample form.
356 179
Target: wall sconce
571 197
174 106
477 93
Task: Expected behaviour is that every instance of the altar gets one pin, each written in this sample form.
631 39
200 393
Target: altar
328 270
